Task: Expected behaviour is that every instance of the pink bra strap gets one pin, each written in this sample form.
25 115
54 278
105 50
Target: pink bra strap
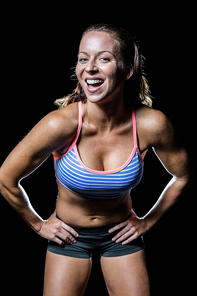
79 117
134 129
78 132
79 123
79 126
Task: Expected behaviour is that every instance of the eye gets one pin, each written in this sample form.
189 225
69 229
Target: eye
105 60
83 60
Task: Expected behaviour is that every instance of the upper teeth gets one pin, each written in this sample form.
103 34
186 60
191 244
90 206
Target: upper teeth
94 81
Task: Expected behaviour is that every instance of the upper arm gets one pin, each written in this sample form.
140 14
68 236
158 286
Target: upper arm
50 134
169 150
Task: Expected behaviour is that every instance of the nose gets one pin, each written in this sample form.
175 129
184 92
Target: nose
91 67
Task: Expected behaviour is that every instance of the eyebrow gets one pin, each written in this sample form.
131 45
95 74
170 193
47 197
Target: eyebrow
98 52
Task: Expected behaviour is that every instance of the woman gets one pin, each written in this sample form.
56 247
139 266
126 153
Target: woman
98 138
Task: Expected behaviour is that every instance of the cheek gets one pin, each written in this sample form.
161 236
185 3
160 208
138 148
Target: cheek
77 71
116 76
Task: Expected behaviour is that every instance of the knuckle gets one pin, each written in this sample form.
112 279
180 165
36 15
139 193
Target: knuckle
55 231
125 235
69 236
52 236
68 241
69 229
59 225
64 238
120 233
130 224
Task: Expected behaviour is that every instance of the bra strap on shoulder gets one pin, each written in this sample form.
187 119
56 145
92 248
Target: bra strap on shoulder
79 114
79 120
134 129
78 131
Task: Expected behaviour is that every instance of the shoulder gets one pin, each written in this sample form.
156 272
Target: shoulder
65 117
63 121
54 131
154 125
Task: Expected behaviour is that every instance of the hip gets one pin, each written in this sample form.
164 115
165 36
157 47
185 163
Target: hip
95 240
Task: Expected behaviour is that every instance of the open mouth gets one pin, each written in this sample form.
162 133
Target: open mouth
94 82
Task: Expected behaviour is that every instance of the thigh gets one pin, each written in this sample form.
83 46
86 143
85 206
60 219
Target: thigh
65 276
126 275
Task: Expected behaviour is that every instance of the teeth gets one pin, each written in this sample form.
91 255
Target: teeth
94 81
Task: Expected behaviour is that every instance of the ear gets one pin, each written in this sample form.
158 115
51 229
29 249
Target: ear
129 72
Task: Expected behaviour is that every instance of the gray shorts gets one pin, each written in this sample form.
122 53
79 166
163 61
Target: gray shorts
95 240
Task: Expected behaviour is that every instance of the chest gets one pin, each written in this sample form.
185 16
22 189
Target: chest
104 151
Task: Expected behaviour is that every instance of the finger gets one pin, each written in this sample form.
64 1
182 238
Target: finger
122 232
132 238
69 229
125 236
117 227
68 241
66 236
58 241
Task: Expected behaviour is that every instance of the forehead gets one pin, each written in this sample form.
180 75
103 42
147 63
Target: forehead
98 41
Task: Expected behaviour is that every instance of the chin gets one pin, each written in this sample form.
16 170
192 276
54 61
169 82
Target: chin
99 99
96 97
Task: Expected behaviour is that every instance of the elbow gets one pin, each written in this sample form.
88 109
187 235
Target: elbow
188 178
1 186
1 179
8 190
2 182
185 182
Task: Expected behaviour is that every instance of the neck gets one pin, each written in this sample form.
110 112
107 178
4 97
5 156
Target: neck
106 115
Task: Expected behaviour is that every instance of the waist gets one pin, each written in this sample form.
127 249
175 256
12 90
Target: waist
85 212
94 230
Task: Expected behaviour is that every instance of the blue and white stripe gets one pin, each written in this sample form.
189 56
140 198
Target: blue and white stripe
72 175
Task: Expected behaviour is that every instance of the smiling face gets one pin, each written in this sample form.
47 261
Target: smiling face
99 68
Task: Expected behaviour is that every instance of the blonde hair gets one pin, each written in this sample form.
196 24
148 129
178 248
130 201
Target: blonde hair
136 90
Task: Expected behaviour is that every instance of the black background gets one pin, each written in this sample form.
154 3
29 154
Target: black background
39 47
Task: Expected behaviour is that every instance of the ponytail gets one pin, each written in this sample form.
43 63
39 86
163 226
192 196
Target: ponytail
77 95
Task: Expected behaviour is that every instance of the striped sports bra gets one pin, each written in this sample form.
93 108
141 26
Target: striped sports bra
72 173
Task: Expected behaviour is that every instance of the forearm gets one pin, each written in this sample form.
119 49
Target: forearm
18 199
169 196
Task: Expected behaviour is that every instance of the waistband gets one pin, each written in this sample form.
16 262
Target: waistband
100 229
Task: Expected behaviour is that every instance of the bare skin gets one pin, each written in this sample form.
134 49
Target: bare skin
105 143
65 275
135 265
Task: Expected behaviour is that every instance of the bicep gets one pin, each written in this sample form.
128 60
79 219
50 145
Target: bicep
169 150
41 141
176 162
23 160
